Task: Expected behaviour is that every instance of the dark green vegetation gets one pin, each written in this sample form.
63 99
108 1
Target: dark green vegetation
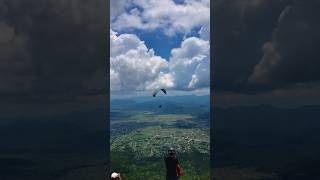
141 133
265 142
65 147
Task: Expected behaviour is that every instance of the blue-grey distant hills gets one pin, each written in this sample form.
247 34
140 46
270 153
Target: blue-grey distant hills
167 104
267 124
279 141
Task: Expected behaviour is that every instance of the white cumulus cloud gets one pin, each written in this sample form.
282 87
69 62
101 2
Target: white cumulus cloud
136 67
132 65
165 15
190 64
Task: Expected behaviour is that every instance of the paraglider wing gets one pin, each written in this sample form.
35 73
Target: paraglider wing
156 92
164 91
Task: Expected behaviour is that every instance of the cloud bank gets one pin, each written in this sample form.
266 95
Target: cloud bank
52 48
133 66
166 15
266 47
136 67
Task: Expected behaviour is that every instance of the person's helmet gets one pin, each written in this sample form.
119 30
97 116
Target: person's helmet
114 175
171 151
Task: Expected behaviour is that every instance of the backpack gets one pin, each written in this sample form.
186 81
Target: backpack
179 170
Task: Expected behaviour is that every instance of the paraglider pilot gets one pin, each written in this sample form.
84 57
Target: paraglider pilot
173 168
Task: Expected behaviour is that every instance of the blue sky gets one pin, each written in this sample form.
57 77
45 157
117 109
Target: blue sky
160 44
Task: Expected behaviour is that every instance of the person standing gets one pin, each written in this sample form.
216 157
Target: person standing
173 169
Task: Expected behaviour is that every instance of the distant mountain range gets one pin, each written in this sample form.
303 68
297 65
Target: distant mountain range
72 132
267 124
280 140
167 104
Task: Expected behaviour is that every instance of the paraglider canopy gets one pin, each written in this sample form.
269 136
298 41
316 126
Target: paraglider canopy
156 92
